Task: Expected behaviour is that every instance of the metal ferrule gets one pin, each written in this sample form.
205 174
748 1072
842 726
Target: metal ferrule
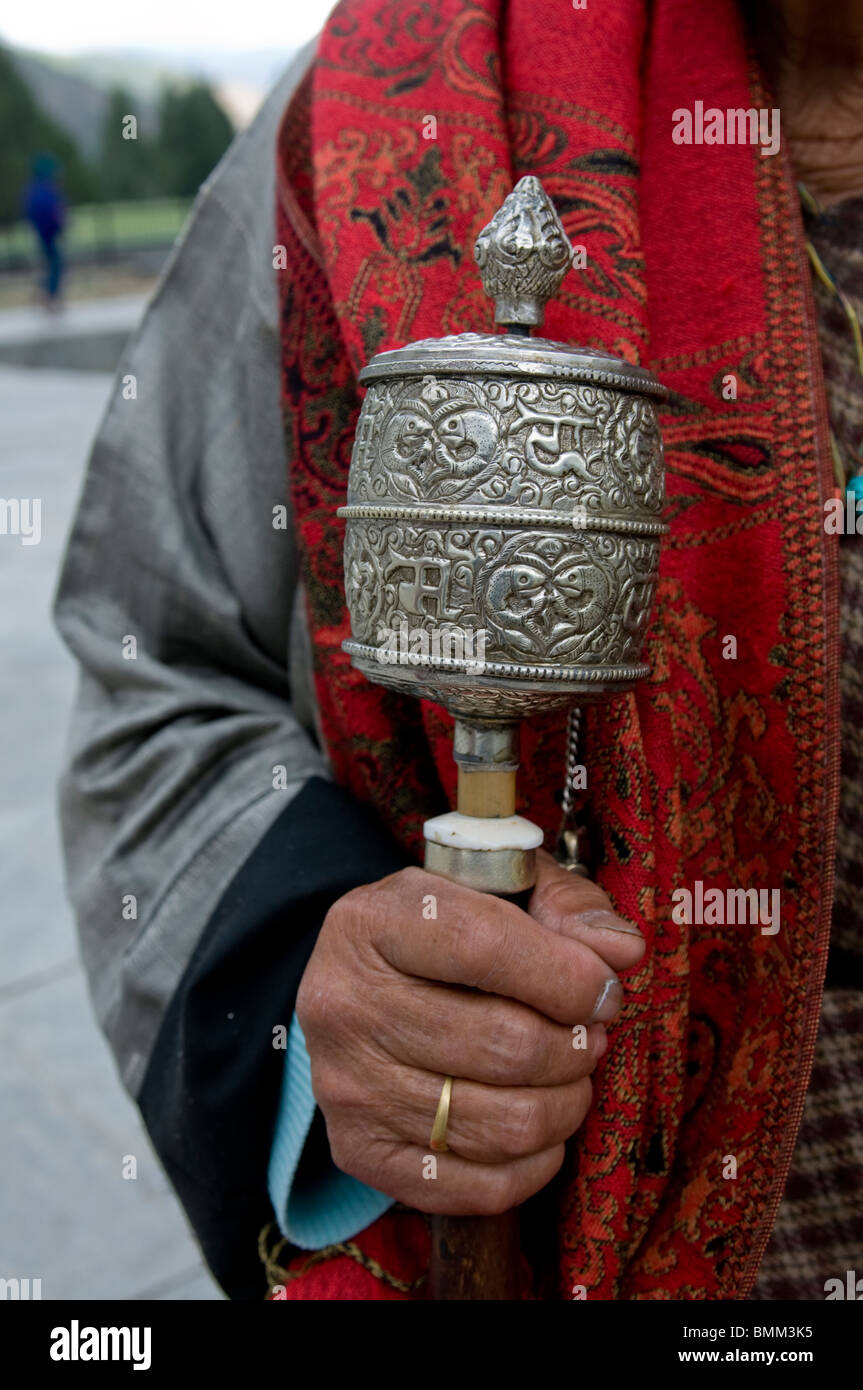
482 747
500 871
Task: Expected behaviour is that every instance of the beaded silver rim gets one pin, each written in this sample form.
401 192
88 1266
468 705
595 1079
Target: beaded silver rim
557 675
475 354
502 516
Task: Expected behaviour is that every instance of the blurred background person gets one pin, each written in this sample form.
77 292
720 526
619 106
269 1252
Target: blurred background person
45 209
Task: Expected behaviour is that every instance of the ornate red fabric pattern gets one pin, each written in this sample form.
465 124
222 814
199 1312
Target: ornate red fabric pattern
720 770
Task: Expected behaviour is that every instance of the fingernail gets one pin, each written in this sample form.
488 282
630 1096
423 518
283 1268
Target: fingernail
608 1004
608 921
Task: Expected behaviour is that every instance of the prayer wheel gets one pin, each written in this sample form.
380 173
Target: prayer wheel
503 527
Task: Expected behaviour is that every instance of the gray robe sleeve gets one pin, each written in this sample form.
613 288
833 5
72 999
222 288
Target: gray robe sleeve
176 598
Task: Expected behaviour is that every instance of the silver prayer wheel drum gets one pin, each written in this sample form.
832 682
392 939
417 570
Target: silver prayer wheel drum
505 501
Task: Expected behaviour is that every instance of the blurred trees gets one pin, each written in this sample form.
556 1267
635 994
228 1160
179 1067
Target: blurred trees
26 131
127 163
135 160
192 134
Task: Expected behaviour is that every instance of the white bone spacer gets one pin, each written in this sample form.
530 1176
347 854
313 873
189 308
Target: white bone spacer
456 831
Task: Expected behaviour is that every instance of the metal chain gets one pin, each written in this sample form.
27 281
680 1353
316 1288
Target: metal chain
573 740
567 852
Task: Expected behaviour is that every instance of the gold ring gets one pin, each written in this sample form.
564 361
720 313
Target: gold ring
441 1120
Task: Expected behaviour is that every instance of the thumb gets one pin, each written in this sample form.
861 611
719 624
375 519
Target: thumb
577 908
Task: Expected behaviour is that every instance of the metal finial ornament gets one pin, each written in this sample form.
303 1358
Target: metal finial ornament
523 254
504 518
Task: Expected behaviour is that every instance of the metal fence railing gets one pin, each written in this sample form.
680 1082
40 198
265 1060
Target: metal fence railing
101 232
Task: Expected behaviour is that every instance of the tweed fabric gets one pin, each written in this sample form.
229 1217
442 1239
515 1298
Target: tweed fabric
819 1230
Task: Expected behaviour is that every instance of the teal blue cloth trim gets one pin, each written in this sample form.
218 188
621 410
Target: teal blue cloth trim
332 1207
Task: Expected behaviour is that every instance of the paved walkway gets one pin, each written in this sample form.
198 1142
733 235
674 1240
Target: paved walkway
77 316
67 1215
84 335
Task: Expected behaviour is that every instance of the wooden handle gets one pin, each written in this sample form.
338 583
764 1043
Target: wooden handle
486 793
477 1257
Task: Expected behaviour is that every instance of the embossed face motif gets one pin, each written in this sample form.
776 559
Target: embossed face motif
409 438
543 603
519 593
461 441
467 440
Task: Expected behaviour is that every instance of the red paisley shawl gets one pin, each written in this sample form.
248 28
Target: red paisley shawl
723 770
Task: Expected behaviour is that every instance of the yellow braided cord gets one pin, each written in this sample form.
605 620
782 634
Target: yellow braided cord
277 1275
850 312
840 471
